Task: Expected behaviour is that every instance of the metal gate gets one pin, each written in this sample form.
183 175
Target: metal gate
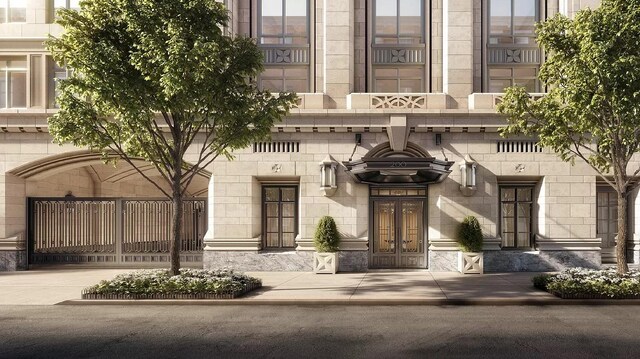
112 231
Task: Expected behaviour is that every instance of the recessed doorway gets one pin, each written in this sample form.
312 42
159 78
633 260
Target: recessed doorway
398 228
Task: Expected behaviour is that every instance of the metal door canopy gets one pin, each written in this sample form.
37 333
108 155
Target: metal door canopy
394 170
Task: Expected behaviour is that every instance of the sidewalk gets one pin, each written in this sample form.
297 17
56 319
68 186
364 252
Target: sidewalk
63 286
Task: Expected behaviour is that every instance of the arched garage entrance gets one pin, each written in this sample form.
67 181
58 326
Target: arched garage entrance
82 211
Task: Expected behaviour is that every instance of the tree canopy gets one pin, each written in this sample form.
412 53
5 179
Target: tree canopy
592 108
153 78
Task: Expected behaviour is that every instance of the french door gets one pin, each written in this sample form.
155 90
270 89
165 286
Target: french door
398 233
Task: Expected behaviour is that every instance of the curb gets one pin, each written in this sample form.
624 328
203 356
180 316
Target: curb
358 302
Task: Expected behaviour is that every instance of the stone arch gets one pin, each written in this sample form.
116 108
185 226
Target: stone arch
385 150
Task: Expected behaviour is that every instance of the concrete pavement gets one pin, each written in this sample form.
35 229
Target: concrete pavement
53 286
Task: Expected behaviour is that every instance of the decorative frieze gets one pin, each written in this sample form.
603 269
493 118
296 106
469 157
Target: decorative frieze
409 55
513 55
285 54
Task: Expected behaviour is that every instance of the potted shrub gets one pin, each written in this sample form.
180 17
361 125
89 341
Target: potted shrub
470 258
326 241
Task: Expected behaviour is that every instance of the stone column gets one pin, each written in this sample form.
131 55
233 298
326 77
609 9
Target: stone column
457 51
338 37
13 223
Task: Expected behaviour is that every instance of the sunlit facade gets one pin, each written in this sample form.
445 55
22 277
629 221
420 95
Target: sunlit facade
394 135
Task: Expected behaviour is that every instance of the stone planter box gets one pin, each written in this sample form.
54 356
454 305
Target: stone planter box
471 262
231 295
325 263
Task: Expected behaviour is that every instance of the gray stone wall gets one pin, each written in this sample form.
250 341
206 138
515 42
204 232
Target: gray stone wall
353 261
542 261
13 261
296 261
443 261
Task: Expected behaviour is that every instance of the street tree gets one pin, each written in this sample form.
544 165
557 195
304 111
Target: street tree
592 108
154 78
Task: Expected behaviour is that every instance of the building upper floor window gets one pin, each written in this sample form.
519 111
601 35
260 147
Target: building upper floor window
66 4
13 11
283 22
283 33
513 56
398 22
398 50
13 82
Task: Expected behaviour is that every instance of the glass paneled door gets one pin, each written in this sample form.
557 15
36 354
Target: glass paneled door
398 234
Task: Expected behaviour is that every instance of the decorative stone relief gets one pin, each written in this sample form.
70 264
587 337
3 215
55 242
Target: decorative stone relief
325 263
470 263
399 101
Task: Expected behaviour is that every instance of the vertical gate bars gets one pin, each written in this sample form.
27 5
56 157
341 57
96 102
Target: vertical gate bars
86 230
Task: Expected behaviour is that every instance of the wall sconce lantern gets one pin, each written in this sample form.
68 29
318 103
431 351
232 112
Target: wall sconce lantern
468 178
328 184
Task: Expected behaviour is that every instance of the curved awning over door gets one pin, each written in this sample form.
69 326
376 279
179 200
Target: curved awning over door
411 166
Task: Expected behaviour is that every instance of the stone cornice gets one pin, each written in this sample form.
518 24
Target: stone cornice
35 120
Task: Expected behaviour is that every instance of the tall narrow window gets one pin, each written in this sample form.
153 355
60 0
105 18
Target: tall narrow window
398 48
513 56
13 11
13 82
607 221
515 216
280 208
283 37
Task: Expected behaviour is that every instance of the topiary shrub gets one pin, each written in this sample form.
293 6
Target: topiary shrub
326 238
470 235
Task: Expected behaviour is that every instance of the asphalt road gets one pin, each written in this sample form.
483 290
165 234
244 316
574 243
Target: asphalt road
319 332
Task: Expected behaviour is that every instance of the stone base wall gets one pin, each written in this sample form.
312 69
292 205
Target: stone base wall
539 261
443 261
245 261
295 261
353 261
13 261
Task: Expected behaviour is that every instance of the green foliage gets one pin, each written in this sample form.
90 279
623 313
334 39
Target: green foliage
540 281
585 282
326 238
153 77
470 235
189 281
592 108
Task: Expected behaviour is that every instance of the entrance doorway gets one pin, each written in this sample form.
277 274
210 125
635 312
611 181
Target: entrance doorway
398 232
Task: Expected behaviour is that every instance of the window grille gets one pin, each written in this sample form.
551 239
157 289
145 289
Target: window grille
519 147
276 147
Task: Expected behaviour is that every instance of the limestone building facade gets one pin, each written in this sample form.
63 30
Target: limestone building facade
394 135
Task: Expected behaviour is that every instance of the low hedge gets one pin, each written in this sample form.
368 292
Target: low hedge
159 284
587 283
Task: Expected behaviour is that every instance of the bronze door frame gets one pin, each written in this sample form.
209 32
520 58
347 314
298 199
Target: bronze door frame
397 259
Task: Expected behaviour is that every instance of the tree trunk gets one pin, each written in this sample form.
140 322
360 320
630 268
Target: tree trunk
176 204
621 238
